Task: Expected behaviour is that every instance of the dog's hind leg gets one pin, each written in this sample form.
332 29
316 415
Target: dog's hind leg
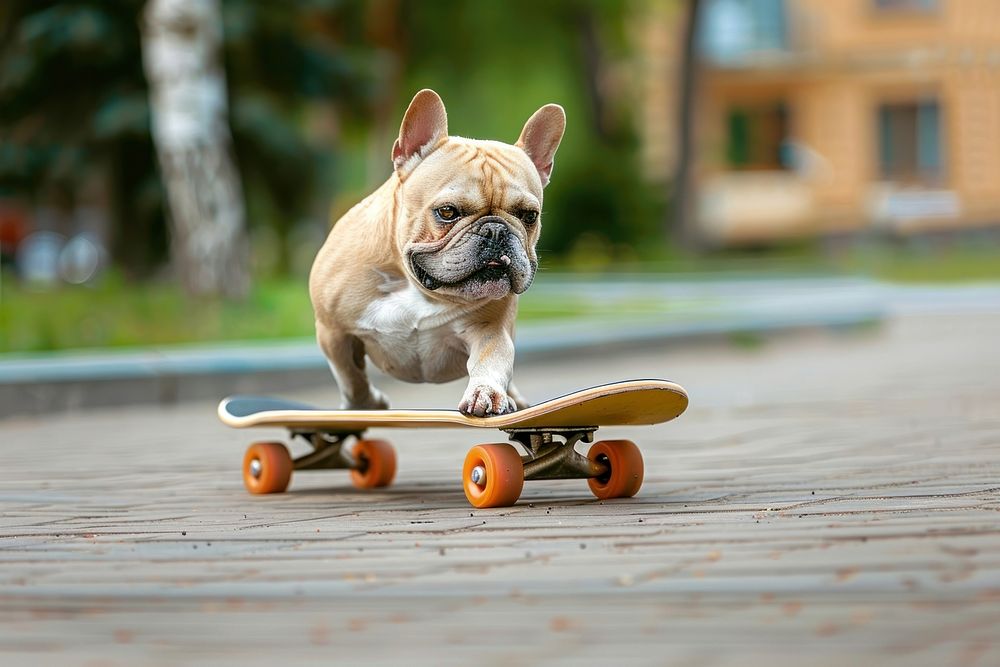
346 356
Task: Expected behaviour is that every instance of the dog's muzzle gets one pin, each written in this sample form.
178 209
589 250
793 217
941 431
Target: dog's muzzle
490 253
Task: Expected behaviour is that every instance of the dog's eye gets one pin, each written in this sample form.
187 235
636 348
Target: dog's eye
529 217
447 213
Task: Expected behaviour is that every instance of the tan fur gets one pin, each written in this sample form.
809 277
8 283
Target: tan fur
366 296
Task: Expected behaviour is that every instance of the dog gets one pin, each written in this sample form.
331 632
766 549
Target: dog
422 276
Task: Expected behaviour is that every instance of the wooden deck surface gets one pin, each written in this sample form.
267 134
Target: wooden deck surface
828 499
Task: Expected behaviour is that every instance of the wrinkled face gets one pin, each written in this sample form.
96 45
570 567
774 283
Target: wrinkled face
473 214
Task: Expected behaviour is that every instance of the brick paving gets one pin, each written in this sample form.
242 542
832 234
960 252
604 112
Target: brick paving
829 498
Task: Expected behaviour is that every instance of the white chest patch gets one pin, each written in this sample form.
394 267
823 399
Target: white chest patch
413 338
404 311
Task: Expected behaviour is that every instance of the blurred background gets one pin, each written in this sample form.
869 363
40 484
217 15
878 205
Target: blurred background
169 168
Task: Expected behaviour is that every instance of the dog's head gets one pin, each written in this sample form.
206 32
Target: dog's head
468 212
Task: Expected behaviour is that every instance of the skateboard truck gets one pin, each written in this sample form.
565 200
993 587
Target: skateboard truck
268 466
328 452
548 458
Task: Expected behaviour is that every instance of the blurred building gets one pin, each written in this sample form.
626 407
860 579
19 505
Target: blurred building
818 118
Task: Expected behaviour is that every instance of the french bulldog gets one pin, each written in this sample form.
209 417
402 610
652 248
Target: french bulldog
422 276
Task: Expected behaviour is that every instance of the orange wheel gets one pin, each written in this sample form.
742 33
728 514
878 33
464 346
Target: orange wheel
624 476
493 475
377 459
267 467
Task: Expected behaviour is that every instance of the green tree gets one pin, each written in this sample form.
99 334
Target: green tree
494 63
74 101
681 224
284 60
72 104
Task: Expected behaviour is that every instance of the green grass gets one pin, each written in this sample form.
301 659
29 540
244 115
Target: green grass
536 306
965 266
911 262
113 314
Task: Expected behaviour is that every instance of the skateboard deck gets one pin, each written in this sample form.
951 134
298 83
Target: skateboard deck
494 473
629 403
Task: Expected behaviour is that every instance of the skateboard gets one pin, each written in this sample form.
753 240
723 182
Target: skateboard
493 474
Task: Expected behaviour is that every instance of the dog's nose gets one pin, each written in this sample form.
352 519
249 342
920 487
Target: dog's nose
494 231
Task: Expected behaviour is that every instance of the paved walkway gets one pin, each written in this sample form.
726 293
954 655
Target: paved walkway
827 499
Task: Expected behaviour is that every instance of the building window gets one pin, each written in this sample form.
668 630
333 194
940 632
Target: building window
907 5
757 137
910 141
733 31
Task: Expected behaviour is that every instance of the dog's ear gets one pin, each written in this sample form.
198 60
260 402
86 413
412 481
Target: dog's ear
541 136
424 126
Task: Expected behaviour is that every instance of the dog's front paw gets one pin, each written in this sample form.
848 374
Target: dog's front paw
376 400
483 400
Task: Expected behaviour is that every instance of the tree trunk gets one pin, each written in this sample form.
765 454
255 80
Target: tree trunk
385 25
182 40
683 225
593 66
